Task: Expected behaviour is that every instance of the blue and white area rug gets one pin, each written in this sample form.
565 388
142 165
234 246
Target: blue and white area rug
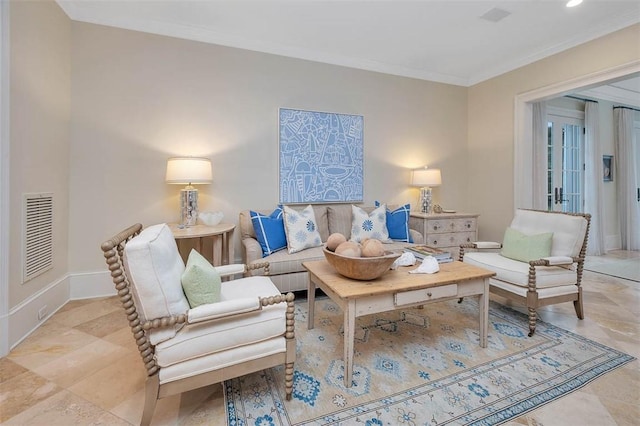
420 367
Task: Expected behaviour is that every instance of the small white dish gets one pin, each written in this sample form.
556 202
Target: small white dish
210 218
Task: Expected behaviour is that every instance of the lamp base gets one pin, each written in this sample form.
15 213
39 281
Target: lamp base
188 206
425 200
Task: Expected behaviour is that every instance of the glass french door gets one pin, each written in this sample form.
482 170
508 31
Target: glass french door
565 164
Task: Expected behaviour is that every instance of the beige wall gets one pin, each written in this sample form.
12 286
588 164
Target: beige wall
40 86
138 99
491 120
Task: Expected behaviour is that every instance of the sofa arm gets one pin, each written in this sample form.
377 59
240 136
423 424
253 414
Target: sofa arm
416 236
251 250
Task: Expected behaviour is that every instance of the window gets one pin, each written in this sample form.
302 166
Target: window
565 171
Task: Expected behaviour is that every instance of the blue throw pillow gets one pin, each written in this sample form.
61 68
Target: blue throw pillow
398 223
269 231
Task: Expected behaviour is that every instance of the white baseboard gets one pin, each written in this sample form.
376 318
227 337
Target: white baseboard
612 242
88 285
23 318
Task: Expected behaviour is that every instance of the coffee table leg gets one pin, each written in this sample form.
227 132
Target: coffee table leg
311 301
483 305
349 337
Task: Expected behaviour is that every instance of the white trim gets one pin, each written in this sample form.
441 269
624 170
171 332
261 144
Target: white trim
88 285
4 179
523 169
24 317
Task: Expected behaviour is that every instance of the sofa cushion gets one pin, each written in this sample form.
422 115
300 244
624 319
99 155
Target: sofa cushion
154 268
301 229
269 230
365 225
568 230
398 223
200 281
523 247
203 339
516 272
339 219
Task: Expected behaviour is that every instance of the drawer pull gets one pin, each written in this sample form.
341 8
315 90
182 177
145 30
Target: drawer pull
429 294
468 225
435 242
435 227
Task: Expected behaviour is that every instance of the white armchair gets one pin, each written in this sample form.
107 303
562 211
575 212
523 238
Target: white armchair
250 329
552 278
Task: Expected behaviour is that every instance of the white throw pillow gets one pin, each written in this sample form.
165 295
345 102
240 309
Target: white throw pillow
301 229
365 225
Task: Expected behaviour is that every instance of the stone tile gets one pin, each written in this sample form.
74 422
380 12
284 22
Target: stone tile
23 391
104 325
87 312
9 369
81 363
63 409
117 382
41 350
122 337
577 408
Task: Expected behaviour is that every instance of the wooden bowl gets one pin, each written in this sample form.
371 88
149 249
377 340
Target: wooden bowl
361 268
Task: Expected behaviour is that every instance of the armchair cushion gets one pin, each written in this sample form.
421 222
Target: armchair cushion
153 263
519 246
203 339
200 281
569 231
516 272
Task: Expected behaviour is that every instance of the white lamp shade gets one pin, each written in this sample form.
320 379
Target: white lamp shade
426 177
189 170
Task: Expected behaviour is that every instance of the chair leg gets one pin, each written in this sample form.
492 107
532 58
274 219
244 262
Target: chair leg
288 380
577 304
150 398
533 316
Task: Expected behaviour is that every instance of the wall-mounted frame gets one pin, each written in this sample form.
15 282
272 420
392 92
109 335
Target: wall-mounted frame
320 157
607 168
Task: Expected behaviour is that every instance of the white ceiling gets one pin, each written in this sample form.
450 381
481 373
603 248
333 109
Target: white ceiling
445 41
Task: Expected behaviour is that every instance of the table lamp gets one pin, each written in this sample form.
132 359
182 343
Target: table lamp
425 178
189 171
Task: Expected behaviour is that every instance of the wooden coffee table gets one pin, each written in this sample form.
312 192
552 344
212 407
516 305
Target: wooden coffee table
396 290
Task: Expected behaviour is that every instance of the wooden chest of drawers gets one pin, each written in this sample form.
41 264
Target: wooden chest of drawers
446 230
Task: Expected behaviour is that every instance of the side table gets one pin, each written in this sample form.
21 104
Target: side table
446 230
220 236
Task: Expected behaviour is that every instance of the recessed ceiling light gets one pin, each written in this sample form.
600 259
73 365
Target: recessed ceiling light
572 3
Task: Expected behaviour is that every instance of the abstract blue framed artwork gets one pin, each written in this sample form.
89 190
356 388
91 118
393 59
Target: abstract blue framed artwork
321 157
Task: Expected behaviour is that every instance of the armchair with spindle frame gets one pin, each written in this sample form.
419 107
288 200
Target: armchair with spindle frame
183 348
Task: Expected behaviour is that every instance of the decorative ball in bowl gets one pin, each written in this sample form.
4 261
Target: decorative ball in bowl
361 268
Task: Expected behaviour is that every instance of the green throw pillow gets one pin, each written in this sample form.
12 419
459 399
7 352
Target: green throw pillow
522 247
200 281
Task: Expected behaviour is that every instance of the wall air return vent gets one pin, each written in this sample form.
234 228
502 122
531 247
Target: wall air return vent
37 235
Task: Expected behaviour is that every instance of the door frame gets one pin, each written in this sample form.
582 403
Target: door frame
523 122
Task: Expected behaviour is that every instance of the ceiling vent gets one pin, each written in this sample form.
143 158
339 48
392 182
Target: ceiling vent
495 15
37 234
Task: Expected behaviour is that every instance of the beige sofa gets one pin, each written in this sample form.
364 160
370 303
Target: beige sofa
286 270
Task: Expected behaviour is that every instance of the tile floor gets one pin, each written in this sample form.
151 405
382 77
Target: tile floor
82 367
